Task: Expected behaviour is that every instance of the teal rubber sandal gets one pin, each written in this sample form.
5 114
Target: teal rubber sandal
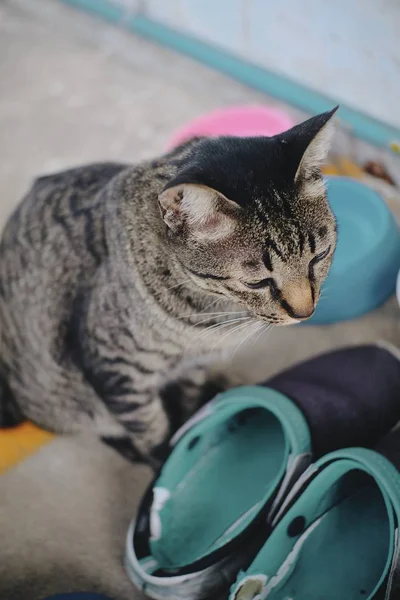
335 537
230 468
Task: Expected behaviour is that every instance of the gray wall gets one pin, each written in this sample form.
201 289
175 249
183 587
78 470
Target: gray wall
346 49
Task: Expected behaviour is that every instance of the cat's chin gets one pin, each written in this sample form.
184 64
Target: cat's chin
281 323
289 321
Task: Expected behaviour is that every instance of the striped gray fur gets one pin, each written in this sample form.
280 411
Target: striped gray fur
107 293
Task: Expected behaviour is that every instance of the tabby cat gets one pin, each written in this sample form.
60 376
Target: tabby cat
116 279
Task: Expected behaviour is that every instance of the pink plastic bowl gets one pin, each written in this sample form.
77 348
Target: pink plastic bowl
238 120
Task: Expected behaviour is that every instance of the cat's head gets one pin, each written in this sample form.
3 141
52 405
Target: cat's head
248 219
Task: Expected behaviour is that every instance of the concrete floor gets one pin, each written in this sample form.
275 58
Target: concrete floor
75 90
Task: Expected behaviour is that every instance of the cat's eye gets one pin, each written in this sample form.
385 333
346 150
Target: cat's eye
263 283
321 255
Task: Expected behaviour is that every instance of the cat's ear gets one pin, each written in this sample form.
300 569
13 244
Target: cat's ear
204 212
308 144
318 149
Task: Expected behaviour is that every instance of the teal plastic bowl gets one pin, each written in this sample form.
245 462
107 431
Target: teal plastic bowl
367 258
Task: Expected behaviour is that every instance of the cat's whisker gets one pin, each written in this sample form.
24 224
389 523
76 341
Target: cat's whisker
213 317
177 285
265 327
210 305
219 325
209 317
269 329
245 338
215 314
214 327
209 330
231 331
324 292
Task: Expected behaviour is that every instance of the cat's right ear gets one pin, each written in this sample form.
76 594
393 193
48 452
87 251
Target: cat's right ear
306 147
202 211
317 133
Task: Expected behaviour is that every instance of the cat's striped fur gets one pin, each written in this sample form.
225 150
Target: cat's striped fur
103 295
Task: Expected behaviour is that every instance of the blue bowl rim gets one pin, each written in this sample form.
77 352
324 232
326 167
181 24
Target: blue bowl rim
389 221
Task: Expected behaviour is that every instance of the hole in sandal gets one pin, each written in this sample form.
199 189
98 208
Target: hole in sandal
296 527
193 442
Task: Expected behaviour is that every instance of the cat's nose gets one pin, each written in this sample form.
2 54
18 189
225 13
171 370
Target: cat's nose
298 299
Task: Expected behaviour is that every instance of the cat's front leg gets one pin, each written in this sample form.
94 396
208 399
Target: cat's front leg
150 417
125 366
145 424
190 390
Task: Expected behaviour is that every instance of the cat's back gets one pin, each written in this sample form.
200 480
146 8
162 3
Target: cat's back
65 203
53 242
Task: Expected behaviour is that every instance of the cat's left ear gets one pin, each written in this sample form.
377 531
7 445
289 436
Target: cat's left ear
199 210
308 144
